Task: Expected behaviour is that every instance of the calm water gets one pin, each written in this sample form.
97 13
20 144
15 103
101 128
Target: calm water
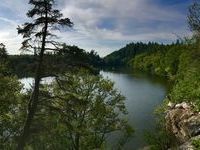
143 93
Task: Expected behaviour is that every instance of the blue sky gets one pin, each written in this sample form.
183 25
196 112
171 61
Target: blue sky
104 25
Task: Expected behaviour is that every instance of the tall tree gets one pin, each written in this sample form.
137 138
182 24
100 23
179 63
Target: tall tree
38 37
194 18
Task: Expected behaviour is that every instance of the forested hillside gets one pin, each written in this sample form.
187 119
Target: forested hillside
125 54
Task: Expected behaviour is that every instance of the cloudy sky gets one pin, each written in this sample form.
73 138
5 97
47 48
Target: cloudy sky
104 25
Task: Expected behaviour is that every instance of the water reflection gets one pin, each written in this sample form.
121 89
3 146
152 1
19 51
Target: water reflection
143 93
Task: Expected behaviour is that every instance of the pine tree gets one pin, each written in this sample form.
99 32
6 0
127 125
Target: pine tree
194 18
45 19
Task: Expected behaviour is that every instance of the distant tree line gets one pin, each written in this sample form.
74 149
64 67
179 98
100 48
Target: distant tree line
67 58
124 55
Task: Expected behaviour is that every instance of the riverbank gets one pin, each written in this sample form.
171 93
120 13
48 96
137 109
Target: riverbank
180 64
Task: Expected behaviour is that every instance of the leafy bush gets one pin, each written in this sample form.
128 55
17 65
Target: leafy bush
196 144
78 111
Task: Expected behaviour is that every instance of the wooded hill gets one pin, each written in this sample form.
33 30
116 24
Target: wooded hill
124 55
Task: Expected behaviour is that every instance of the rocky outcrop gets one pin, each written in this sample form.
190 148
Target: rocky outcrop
184 123
188 145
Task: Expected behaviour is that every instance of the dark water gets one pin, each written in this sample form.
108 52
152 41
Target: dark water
143 93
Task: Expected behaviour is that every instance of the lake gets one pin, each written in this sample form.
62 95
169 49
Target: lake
143 93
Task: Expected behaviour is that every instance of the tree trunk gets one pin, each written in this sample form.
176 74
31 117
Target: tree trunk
33 102
77 139
31 111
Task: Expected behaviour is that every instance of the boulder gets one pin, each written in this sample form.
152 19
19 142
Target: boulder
183 122
183 105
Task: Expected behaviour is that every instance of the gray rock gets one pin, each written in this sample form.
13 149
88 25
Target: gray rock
188 145
183 105
183 122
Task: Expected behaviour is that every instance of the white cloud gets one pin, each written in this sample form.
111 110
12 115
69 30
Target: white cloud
132 20
11 40
11 22
86 19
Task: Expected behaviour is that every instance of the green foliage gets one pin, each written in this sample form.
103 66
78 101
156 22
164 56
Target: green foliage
78 55
162 62
160 139
187 86
11 106
80 110
22 65
196 144
11 111
126 54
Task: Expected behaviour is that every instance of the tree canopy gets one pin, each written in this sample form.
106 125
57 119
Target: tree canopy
78 111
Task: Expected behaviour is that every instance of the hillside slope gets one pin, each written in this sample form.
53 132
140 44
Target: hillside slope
125 54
